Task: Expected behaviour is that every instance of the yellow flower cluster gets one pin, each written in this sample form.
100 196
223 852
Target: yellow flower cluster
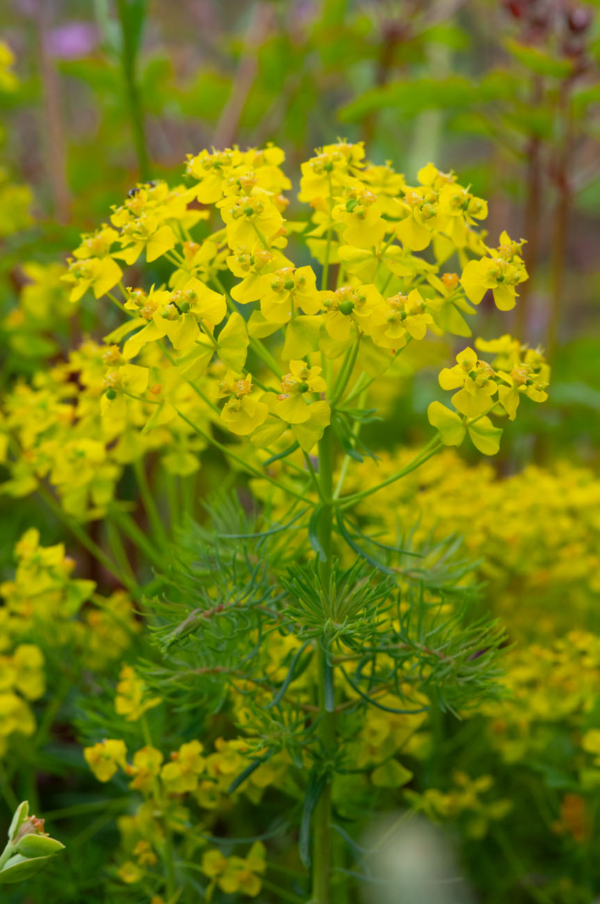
528 568
8 80
45 608
165 785
550 685
188 770
520 371
235 874
43 307
22 679
178 364
131 700
15 203
465 800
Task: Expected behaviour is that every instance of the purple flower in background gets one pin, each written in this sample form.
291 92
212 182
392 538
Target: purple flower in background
73 40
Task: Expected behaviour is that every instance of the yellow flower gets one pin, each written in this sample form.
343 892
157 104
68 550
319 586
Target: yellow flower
361 214
420 209
28 661
241 413
348 308
122 383
130 700
105 758
250 217
251 265
211 170
15 716
181 774
145 768
144 853
398 317
289 289
501 272
236 874
460 209
8 80
521 380
477 381
130 873
334 166
453 429
98 274
591 741
292 405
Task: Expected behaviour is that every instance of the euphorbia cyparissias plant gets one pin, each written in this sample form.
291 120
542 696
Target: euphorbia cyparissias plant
274 364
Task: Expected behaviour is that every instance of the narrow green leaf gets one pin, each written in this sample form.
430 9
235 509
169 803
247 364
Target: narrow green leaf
290 675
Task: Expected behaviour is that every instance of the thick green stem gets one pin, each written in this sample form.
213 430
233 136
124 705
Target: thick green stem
322 820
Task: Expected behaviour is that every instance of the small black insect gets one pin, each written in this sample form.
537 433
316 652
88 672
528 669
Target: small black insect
132 192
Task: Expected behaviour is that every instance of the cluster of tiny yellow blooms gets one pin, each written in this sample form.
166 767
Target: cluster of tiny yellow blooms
550 685
78 424
188 771
528 567
15 199
15 205
44 607
131 699
465 800
43 308
22 679
188 776
8 79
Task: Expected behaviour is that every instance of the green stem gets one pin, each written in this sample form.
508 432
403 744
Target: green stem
78 531
344 374
130 41
7 792
160 535
430 449
322 850
245 464
118 549
173 498
346 461
135 534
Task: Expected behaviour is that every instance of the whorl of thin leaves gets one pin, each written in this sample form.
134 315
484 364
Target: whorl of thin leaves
402 630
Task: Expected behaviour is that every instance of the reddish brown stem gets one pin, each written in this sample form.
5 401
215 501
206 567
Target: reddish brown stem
533 208
560 221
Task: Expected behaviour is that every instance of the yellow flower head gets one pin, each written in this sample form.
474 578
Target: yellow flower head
105 758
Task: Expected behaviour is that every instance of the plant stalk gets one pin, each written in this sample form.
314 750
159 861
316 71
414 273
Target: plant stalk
322 851
129 57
